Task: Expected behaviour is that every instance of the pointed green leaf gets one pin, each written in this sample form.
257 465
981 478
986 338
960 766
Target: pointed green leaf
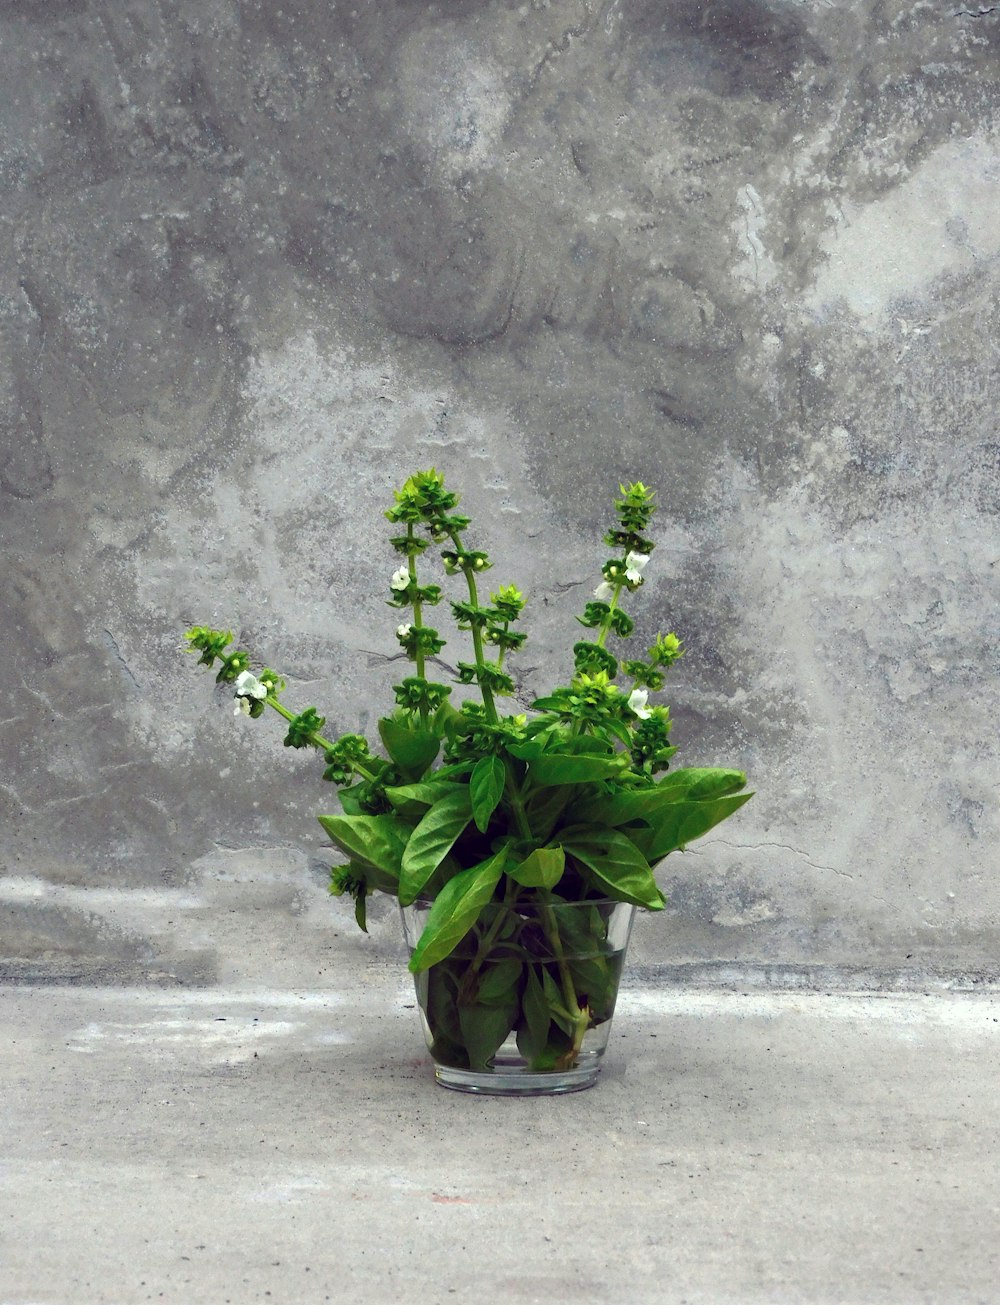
616 865
533 1032
694 784
375 841
484 1029
431 842
679 823
544 808
413 750
542 868
498 982
553 768
412 800
701 782
455 910
486 789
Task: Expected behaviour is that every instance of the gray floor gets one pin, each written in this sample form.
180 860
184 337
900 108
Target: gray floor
236 1145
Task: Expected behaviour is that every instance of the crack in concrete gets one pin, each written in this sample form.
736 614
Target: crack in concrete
112 643
754 847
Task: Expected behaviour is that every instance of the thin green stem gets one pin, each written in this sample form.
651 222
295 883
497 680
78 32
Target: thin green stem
317 740
411 563
580 1016
516 801
477 636
605 629
486 943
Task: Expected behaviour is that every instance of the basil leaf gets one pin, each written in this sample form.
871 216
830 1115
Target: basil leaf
376 841
486 789
615 864
679 823
412 800
484 1029
695 784
542 868
533 1031
431 841
553 768
413 751
456 909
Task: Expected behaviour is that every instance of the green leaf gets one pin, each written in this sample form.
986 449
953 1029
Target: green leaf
413 750
679 823
695 784
376 841
533 1031
552 768
699 783
528 750
542 868
544 808
497 987
486 788
431 842
412 800
616 865
484 1029
455 910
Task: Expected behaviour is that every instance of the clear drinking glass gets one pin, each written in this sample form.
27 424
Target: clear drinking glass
523 1005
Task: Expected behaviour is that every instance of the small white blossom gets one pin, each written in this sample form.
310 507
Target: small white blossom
248 686
400 579
242 707
604 591
403 631
637 700
634 562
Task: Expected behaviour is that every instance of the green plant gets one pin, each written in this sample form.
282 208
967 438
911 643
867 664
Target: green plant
501 821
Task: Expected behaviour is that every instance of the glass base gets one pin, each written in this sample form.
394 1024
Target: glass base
517 1082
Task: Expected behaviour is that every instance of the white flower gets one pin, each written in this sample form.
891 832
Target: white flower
248 686
604 591
637 700
402 631
634 562
400 579
242 707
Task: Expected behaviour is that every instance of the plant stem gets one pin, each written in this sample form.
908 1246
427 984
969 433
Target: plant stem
605 629
579 1016
477 636
411 563
485 944
317 740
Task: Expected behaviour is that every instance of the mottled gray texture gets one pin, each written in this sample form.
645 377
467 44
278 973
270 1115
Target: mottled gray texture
258 263
198 1147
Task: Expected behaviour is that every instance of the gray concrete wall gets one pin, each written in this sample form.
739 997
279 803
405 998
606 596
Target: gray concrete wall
259 262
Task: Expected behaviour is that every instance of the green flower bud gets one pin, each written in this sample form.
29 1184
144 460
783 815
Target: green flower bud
302 726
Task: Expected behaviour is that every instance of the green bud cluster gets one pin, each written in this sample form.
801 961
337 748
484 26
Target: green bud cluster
303 727
341 756
425 502
598 614
473 735
651 750
634 508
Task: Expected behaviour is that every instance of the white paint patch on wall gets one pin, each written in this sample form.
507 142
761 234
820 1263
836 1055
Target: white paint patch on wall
943 219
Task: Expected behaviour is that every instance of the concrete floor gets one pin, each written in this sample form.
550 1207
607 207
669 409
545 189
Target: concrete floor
223 1145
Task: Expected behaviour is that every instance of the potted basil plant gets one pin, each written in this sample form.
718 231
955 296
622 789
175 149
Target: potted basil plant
517 845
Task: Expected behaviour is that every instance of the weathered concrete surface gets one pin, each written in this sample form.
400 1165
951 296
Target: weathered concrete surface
248 1145
257 263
